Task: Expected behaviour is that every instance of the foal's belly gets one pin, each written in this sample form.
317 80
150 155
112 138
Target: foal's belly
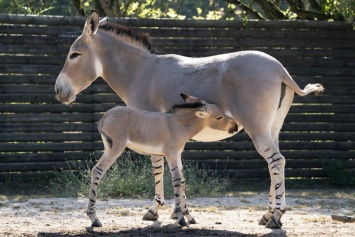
209 135
145 149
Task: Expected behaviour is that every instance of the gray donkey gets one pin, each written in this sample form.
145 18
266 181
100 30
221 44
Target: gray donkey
163 134
250 86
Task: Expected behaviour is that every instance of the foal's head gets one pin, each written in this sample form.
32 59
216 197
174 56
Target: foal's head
210 115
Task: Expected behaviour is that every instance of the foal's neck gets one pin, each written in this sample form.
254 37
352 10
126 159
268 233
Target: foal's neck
190 121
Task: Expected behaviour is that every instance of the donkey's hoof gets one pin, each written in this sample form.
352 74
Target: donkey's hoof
192 221
96 223
182 222
150 216
273 224
263 221
173 216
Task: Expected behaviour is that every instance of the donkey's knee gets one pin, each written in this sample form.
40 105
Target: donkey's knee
276 164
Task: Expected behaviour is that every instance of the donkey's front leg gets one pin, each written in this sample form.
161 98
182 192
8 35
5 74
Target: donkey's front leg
158 172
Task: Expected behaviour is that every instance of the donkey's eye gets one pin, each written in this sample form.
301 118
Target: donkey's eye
219 118
74 55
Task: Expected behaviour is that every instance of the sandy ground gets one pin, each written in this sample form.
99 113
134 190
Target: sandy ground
308 215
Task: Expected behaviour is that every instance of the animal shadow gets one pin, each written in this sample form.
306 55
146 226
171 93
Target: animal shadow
156 230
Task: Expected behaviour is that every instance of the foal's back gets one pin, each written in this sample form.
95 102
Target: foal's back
143 131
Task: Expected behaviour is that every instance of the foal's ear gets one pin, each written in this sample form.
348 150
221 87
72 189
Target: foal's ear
191 99
92 24
201 113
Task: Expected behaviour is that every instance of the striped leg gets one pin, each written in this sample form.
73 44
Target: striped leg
185 210
105 162
276 165
158 172
176 175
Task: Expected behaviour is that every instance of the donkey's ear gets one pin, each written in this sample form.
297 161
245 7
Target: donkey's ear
191 99
103 21
92 24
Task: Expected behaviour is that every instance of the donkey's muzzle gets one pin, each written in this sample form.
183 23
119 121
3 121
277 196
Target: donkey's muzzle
63 95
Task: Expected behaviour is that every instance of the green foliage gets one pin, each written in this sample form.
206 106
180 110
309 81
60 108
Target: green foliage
38 7
338 10
339 174
346 8
131 176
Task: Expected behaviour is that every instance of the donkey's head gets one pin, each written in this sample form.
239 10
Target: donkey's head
82 65
211 115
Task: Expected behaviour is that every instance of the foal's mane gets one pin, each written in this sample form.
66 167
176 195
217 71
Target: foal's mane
137 39
185 106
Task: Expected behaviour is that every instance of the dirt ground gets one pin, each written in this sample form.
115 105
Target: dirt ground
309 214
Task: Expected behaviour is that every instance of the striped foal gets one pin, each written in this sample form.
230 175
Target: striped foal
163 134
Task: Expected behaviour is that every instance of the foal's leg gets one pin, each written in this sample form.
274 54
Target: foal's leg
105 162
158 172
184 209
172 160
276 164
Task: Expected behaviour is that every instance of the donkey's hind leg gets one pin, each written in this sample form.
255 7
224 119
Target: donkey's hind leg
107 159
275 131
158 172
276 165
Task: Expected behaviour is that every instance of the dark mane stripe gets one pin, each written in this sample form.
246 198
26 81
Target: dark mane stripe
177 107
119 30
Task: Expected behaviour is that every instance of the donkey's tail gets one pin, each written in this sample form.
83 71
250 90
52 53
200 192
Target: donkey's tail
315 88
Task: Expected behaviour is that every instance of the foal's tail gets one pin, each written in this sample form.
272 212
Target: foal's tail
104 135
315 88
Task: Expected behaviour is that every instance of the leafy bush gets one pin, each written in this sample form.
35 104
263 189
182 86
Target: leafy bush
338 173
131 176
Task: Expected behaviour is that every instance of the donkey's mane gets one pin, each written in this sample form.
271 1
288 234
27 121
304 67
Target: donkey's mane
137 39
186 106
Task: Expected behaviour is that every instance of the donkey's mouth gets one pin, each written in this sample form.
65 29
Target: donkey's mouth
67 99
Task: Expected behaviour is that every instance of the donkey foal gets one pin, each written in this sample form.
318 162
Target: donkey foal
156 133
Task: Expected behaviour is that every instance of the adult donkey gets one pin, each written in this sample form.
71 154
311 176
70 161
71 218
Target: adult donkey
250 86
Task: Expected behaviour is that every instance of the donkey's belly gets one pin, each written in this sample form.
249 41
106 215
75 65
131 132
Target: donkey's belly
209 135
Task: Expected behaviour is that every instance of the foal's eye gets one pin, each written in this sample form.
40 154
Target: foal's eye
74 55
219 118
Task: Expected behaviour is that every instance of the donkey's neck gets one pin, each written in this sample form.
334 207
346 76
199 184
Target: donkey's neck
122 64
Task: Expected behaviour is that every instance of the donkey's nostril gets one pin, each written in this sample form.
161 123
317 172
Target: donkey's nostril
57 91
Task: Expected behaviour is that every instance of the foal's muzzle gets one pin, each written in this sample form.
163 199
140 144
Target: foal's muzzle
233 129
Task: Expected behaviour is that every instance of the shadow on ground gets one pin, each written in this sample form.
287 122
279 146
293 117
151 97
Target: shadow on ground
161 231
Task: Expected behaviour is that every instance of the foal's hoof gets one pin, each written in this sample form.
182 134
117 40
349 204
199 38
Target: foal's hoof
182 222
273 224
90 229
173 216
96 223
192 221
263 221
150 216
